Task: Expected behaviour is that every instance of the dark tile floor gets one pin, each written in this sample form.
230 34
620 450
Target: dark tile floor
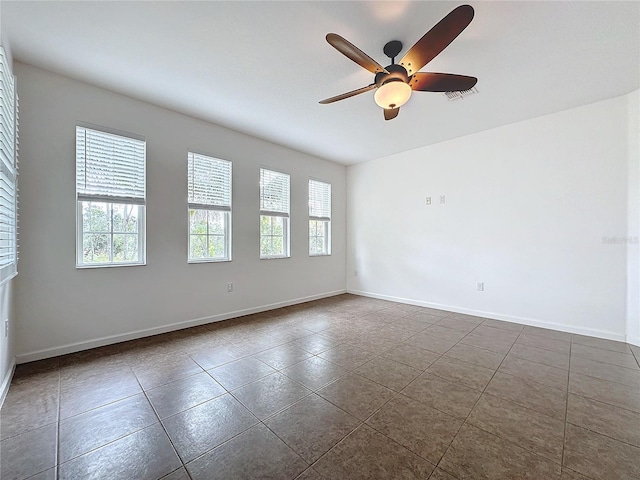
342 388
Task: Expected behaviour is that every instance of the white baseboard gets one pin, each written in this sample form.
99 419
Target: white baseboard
634 341
6 381
111 339
590 332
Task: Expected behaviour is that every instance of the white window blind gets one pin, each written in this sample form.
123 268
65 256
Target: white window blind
8 170
209 182
274 193
109 167
319 200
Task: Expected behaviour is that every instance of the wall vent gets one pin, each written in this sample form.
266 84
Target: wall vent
451 96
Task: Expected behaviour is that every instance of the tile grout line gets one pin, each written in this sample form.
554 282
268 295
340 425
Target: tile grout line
57 450
361 422
464 422
636 355
259 421
533 410
397 394
352 371
311 392
441 355
205 452
604 435
566 412
315 391
596 400
628 352
543 337
569 423
633 369
609 380
58 420
13 436
144 392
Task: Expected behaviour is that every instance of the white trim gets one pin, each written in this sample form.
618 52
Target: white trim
6 381
84 197
111 339
209 260
326 237
109 265
590 332
10 277
285 237
269 213
142 238
228 241
204 206
634 341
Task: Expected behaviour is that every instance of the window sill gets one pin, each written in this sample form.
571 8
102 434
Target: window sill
319 254
109 265
276 258
209 260
8 279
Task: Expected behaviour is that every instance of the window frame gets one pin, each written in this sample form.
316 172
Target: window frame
9 170
111 233
228 220
320 219
286 217
111 201
284 236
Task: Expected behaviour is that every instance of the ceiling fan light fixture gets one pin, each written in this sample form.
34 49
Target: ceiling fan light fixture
392 94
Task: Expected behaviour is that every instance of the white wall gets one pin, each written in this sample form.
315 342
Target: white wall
527 207
633 221
62 309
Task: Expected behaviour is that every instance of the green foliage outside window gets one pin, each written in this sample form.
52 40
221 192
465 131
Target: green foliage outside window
207 234
110 232
272 236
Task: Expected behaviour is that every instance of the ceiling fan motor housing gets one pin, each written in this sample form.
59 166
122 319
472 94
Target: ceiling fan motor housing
396 73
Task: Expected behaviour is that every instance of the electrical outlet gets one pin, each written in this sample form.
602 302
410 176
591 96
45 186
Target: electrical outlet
427 201
230 287
442 198
480 286
6 327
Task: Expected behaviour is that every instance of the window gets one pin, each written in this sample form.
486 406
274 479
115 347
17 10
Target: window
274 214
8 171
111 198
209 208
319 218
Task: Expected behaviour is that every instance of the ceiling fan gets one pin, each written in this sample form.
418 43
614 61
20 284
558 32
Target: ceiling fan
394 83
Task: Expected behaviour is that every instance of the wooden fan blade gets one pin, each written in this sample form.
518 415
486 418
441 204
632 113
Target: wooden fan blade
349 50
391 113
441 82
437 39
348 94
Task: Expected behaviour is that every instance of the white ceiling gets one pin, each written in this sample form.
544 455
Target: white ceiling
262 67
